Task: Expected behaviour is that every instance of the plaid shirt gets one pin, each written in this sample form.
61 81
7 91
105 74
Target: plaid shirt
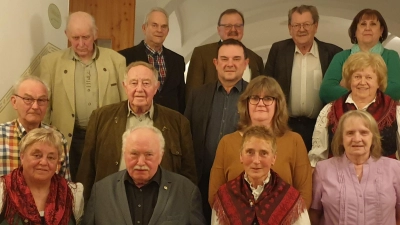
11 134
157 59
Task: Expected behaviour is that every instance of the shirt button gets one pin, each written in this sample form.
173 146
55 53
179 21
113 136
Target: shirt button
89 104
138 221
139 205
140 190
88 90
140 120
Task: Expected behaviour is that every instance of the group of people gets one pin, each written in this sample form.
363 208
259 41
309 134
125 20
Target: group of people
138 145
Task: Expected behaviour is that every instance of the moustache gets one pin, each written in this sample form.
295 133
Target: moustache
141 168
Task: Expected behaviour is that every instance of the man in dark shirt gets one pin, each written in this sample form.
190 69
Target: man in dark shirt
144 193
212 110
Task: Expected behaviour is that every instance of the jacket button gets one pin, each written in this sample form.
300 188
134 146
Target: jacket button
73 115
65 71
104 69
69 135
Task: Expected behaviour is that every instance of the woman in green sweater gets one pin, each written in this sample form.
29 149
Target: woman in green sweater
367 32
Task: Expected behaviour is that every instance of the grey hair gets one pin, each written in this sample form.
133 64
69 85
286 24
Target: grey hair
141 63
92 21
155 9
30 77
149 127
43 135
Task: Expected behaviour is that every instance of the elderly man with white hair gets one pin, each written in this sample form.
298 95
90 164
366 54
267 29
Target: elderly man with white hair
82 78
144 193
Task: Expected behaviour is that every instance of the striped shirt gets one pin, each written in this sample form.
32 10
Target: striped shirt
11 134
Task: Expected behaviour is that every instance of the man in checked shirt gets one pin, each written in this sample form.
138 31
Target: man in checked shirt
170 65
30 100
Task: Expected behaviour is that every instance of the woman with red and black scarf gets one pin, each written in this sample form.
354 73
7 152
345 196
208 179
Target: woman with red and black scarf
365 75
34 193
258 195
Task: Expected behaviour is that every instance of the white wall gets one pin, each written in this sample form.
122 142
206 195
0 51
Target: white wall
24 31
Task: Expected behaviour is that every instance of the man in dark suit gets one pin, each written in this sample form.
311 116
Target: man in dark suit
102 152
144 192
201 68
298 64
170 65
212 110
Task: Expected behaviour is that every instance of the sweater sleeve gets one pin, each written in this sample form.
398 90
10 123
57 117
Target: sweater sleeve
392 61
330 88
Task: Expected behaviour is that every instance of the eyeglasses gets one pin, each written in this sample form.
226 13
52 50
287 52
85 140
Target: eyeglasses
304 25
229 26
267 100
30 101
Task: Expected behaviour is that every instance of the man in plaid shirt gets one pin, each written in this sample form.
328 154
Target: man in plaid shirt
30 100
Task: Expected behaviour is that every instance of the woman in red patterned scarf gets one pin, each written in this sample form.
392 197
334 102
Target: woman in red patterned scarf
34 193
258 195
365 76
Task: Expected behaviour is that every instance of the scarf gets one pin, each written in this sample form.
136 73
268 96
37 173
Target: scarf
378 49
383 110
279 203
20 202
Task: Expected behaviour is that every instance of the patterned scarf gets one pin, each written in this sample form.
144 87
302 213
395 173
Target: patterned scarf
383 110
279 203
20 202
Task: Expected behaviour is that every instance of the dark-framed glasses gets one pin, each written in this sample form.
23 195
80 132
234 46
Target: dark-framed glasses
30 101
255 99
298 26
229 26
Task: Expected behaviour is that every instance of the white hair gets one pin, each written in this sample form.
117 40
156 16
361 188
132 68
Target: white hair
149 127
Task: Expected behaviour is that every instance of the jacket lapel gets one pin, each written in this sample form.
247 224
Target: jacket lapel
163 196
289 61
123 201
207 104
68 77
120 120
103 73
323 56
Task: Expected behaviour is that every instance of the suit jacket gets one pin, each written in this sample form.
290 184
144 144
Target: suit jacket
57 69
178 202
198 112
172 94
280 61
103 143
202 69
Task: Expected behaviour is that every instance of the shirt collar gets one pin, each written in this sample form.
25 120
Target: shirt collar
313 51
350 100
72 55
150 112
21 129
238 85
152 51
246 178
156 178
346 160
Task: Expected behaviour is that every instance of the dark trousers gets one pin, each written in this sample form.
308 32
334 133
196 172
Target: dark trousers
305 127
75 152
203 186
